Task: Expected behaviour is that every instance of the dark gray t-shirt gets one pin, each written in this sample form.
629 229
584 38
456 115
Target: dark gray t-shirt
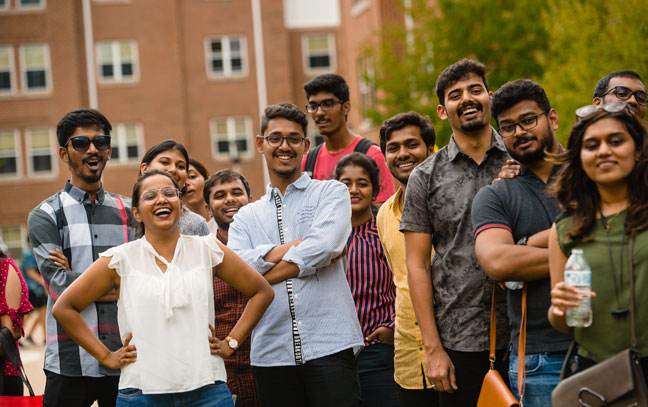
438 202
522 206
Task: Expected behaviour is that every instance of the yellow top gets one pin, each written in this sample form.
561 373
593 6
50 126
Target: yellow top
409 356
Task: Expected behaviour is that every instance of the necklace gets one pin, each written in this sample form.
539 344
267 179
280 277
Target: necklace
619 312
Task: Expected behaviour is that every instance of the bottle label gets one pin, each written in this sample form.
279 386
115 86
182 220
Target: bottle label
578 278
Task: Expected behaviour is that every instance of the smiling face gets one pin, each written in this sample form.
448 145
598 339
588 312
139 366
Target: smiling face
85 167
159 205
193 195
528 146
225 200
284 162
634 85
467 105
330 122
608 154
170 161
404 150
360 188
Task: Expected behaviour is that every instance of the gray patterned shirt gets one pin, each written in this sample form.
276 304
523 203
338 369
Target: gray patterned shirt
438 202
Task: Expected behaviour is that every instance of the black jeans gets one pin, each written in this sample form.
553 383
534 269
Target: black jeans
470 369
79 391
376 371
328 381
418 398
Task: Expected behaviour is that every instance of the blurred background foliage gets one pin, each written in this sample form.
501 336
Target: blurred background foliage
564 45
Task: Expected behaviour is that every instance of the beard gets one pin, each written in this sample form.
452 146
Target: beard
86 174
475 125
538 154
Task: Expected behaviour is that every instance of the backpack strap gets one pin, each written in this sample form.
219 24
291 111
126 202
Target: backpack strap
364 145
311 158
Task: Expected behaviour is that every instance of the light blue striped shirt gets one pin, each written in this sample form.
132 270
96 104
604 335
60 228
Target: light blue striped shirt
319 213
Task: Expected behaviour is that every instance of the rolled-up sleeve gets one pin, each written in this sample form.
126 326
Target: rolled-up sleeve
328 233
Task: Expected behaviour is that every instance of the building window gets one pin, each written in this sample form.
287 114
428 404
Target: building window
226 56
117 61
7 69
30 4
13 236
127 143
366 81
40 151
4 5
319 53
9 153
35 66
230 137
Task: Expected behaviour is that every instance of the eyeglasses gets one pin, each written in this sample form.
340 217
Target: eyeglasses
585 112
275 140
624 93
169 193
326 105
527 123
82 143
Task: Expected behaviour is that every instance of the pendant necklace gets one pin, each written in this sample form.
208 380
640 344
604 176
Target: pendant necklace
619 312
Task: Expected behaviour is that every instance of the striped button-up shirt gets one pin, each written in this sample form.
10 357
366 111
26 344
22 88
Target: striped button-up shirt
370 279
69 221
318 213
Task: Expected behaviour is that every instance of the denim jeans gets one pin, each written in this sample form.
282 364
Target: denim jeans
213 395
376 371
542 371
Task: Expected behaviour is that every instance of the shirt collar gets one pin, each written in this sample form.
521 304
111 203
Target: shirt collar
496 143
82 196
300 183
395 203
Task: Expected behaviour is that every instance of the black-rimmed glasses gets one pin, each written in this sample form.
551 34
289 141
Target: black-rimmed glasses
326 105
82 143
584 112
526 124
275 140
624 93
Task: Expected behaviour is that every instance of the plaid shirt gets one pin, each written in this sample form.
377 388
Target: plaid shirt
69 221
229 305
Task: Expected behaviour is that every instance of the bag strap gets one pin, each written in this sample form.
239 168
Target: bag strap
493 331
522 345
11 353
311 159
363 146
633 338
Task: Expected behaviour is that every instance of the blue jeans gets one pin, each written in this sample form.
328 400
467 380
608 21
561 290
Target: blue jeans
376 371
213 395
542 371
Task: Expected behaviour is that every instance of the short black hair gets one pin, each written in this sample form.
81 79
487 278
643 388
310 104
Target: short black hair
456 72
603 84
286 111
407 119
512 93
363 161
80 118
222 177
328 83
202 170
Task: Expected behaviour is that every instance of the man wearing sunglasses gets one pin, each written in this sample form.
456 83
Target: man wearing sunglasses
68 231
329 107
622 86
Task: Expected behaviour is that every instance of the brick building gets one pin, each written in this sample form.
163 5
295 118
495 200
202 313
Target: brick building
198 71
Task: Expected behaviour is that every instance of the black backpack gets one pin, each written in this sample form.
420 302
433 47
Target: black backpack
311 158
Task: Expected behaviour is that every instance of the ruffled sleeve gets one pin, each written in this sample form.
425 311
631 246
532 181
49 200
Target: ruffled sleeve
116 259
215 252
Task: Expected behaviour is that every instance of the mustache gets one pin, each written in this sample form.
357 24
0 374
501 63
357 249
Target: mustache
469 105
521 140
92 157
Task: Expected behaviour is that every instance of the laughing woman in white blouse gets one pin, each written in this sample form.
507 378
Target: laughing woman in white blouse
166 305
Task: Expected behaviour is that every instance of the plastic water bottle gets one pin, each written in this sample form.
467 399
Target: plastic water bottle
579 275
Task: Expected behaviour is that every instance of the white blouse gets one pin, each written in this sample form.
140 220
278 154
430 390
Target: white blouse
168 314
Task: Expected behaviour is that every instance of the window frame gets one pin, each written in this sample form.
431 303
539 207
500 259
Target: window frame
48 69
19 157
116 61
118 138
29 153
15 245
5 7
306 54
227 57
231 137
12 71
18 5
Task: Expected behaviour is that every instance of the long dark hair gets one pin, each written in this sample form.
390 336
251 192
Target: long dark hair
135 197
577 193
363 161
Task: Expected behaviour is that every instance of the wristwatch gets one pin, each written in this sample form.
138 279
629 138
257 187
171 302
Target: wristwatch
231 342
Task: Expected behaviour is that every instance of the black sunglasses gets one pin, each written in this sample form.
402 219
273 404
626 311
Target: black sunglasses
82 143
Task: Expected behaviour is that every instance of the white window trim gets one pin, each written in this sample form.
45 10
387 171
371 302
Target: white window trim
41 6
48 70
360 7
12 73
53 150
227 58
118 138
6 6
230 137
18 151
23 236
306 55
117 77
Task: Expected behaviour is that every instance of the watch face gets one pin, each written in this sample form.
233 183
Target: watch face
233 343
